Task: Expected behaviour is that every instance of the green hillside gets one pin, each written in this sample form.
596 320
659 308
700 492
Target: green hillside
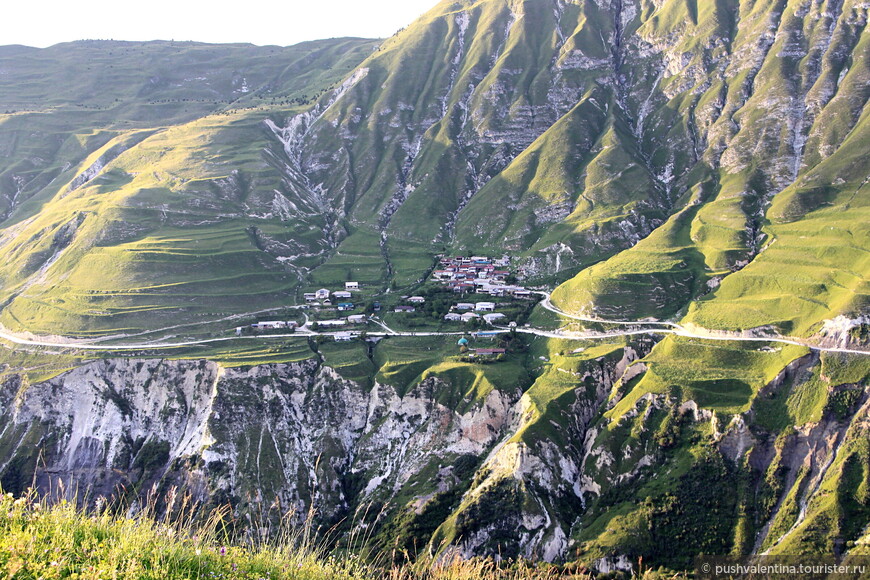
157 198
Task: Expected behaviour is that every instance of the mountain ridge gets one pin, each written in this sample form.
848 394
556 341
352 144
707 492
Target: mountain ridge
653 163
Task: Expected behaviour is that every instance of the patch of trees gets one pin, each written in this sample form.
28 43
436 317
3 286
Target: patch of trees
407 534
498 509
698 517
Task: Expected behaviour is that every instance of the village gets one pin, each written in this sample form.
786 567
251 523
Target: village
459 277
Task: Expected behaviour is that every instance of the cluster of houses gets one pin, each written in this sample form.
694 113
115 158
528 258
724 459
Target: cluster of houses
479 274
353 319
326 297
338 322
471 311
411 300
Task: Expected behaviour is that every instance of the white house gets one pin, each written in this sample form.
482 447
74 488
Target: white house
328 323
469 316
270 325
416 300
357 319
322 294
343 336
452 317
465 306
310 296
485 306
342 294
351 285
493 317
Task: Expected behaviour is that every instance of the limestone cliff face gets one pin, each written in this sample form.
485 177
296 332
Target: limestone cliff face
298 436
293 434
507 474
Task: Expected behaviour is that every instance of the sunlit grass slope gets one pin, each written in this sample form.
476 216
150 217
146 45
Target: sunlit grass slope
136 221
41 539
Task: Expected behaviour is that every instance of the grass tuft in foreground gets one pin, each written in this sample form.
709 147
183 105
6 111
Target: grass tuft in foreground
43 540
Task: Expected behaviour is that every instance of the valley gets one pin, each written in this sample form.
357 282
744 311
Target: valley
575 281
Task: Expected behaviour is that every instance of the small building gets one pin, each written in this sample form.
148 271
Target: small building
310 296
452 317
357 319
485 307
469 316
462 341
342 306
321 294
465 306
487 334
331 323
270 325
494 317
405 309
376 306
342 294
351 285
489 351
416 300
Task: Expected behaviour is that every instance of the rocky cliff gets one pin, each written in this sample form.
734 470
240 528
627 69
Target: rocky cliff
525 472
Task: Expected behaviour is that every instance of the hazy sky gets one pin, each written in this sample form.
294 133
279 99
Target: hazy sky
282 22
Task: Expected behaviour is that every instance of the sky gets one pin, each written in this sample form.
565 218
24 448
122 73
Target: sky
43 23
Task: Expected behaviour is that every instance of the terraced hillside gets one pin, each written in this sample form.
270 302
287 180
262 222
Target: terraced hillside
138 182
680 156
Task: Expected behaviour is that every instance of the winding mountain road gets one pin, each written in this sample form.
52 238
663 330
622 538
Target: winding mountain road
688 332
661 327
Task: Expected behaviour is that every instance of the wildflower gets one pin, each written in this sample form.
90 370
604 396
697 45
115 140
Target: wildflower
223 551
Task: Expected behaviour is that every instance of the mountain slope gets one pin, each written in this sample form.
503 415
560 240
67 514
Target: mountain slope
691 177
684 154
160 200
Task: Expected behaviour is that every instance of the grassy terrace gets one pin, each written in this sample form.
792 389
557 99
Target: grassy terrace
722 376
